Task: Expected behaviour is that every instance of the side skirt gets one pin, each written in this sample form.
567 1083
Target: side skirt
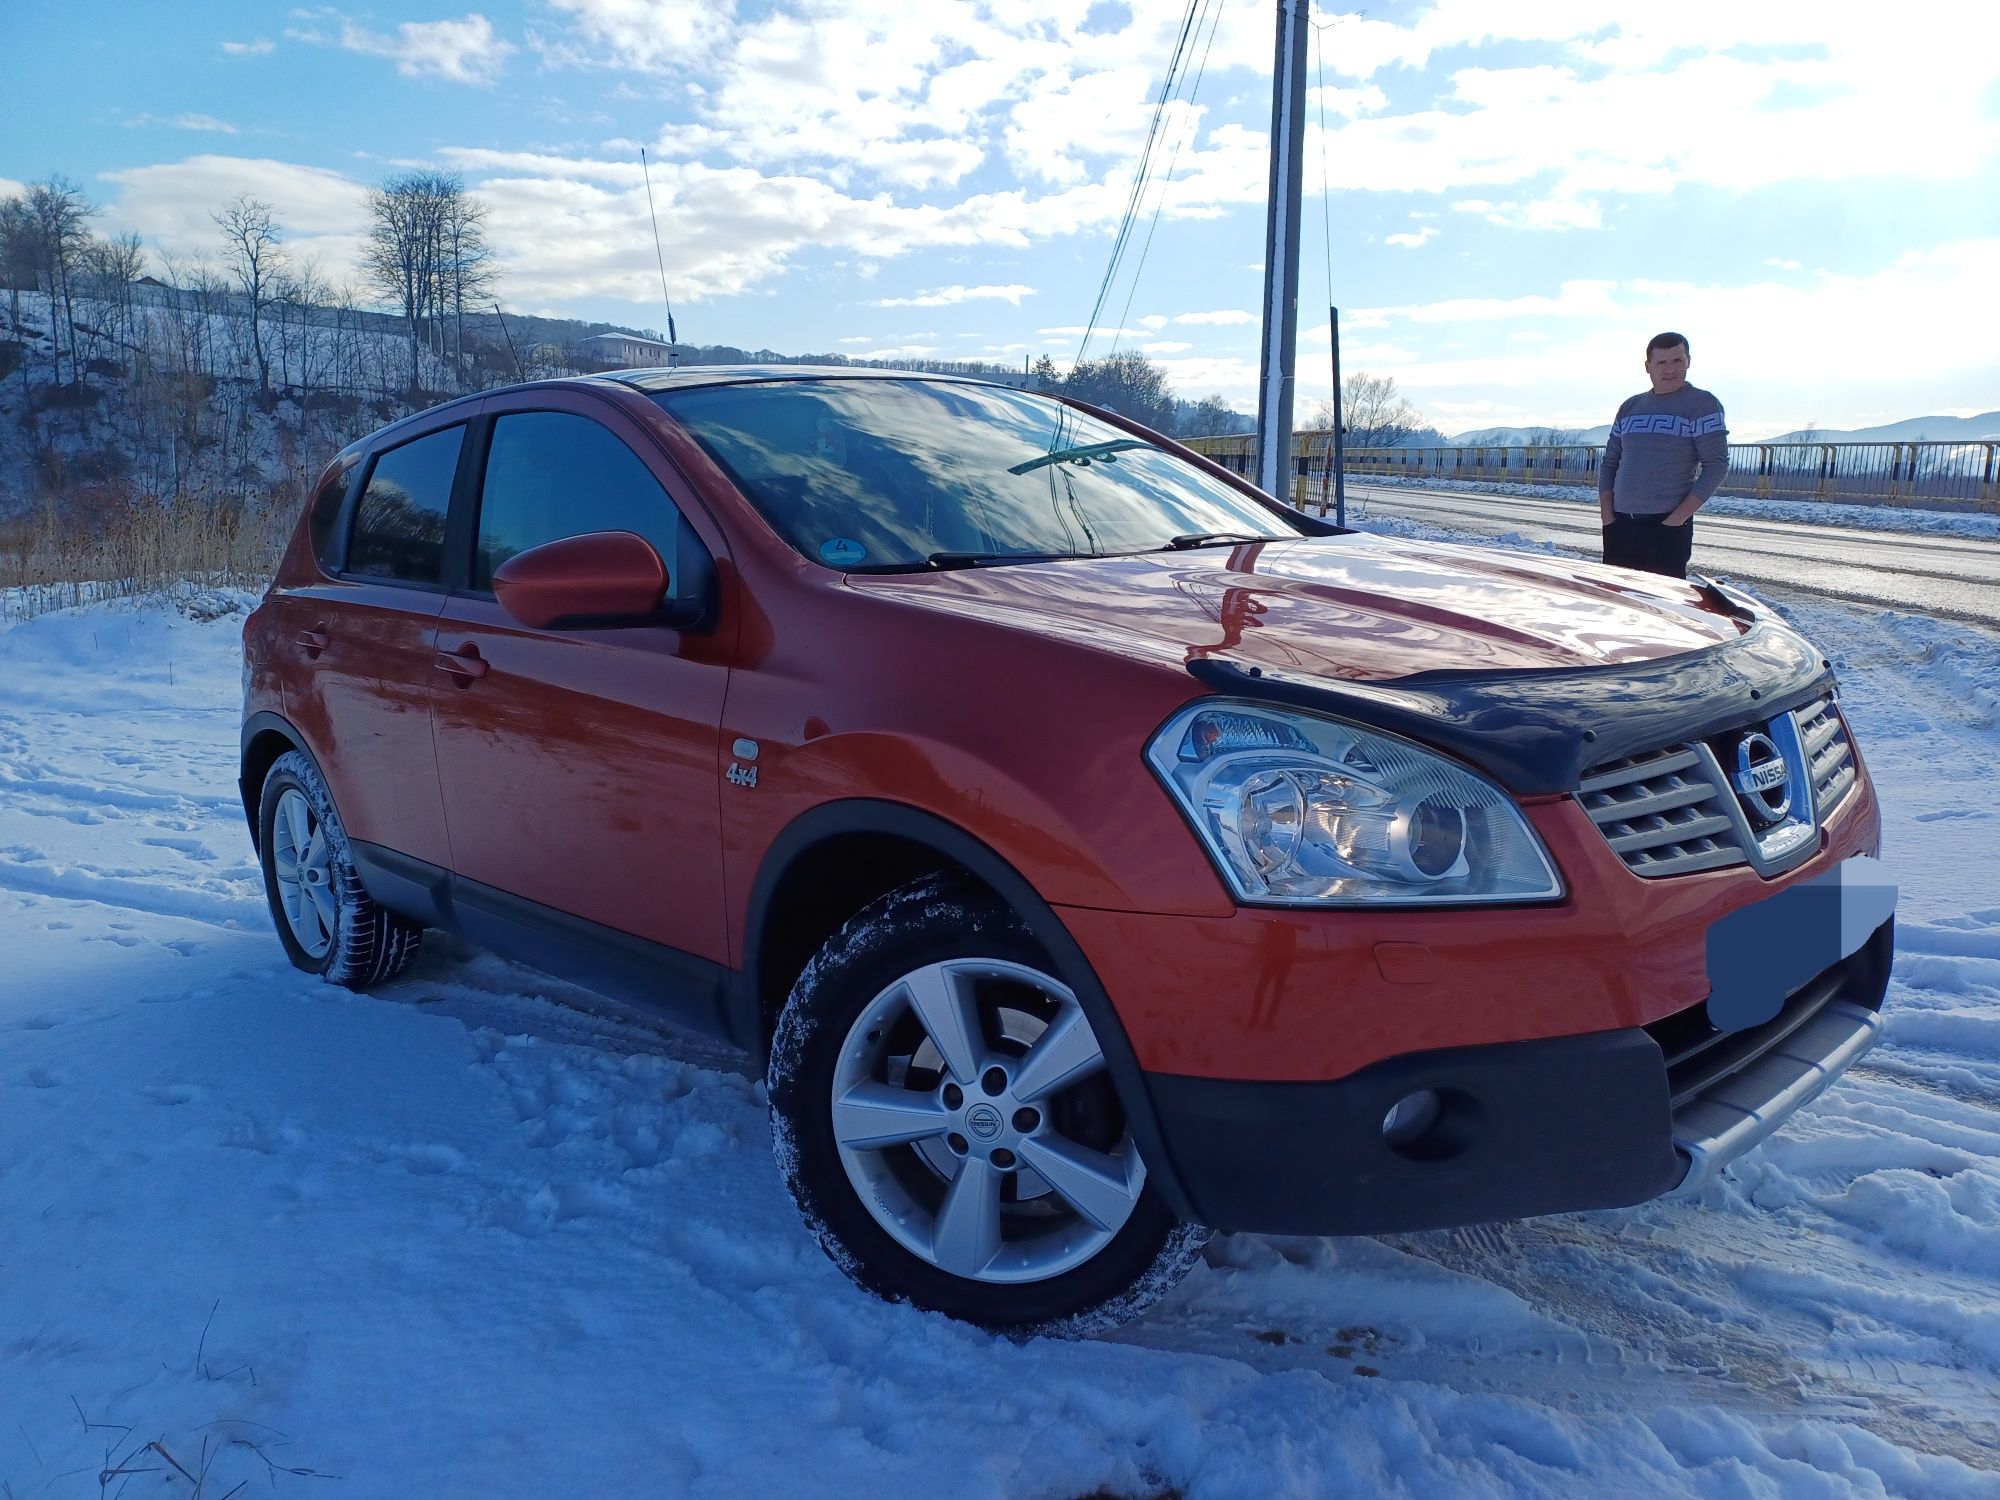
687 989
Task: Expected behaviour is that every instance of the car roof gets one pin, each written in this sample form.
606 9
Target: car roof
654 381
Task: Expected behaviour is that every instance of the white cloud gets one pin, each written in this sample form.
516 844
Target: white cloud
1166 346
463 51
1412 241
256 47
1077 330
321 213
1910 334
1347 103
575 226
1782 264
859 338
1787 91
1557 212
899 351
182 122
947 296
638 35
1220 318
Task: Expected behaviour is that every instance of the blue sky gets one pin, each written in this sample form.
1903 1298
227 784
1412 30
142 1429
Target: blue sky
1519 194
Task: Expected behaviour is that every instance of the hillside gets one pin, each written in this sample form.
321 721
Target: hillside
1521 437
153 390
1909 430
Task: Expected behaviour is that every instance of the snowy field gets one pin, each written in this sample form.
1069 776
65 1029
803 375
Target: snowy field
483 1234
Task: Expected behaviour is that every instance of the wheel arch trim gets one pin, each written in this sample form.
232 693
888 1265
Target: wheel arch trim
865 816
256 727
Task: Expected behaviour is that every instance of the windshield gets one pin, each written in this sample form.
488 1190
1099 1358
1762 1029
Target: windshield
868 475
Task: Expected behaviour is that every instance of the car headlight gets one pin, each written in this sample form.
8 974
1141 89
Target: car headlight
1303 810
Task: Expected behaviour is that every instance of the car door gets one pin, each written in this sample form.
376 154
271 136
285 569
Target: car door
360 646
580 767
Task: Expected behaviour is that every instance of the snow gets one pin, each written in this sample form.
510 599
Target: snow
1818 513
484 1233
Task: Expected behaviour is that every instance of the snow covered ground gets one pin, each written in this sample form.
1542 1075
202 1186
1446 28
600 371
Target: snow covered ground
484 1234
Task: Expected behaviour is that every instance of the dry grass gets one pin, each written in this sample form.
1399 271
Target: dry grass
104 542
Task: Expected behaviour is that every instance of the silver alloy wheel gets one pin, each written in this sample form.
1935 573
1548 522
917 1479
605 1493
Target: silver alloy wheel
302 859
956 1110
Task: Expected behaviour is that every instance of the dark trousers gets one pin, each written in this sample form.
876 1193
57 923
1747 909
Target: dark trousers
1648 544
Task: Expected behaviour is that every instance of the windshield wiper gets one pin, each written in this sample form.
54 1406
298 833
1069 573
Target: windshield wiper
1081 455
943 560
1189 539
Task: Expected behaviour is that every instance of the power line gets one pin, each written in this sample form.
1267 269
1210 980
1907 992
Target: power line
1140 175
1214 13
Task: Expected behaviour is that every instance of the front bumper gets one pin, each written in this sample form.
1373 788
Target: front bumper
1556 1125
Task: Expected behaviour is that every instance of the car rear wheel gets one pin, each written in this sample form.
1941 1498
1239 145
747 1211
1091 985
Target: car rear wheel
943 1115
328 923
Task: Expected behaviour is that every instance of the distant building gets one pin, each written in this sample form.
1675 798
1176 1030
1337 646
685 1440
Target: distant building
625 349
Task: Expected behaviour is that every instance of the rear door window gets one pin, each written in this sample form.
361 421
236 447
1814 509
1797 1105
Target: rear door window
399 524
552 474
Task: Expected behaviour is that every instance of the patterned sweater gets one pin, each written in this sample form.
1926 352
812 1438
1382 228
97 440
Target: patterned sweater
1663 449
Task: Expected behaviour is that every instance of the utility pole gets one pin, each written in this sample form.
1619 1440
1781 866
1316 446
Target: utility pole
1281 252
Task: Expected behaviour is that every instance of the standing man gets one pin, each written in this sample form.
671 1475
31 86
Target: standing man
1667 452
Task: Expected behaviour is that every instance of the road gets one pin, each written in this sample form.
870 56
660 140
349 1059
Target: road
1947 577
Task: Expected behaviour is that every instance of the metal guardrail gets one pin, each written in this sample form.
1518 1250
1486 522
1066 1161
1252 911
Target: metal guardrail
1936 476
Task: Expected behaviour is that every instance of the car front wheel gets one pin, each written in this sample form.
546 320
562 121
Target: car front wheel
942 1112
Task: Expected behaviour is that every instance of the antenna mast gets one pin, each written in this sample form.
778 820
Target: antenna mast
673 339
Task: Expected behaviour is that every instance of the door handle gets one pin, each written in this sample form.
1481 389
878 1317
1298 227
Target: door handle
315 640
465 664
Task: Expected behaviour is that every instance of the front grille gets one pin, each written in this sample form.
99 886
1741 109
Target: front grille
1756 795
1829 754
1663 813
1699 1057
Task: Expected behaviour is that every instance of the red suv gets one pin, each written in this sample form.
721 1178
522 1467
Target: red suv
1096 850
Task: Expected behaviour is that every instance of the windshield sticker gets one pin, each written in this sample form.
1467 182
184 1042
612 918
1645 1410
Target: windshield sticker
829 442
842 552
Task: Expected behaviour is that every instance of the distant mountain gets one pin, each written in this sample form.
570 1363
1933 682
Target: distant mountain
1909 430
1520 437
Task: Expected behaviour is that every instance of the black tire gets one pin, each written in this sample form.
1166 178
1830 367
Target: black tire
363 943
855 974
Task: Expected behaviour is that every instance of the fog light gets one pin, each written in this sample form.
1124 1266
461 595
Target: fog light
1411 1117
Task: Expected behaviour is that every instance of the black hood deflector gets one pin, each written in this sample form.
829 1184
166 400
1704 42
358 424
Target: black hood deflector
1536 732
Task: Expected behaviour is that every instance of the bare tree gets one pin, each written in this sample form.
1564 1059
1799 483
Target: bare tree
426 252
1376 413
1211 416
467 272
110 268
18 260
401 249
250 237
60 216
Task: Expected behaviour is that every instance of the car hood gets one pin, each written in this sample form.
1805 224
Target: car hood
1353 607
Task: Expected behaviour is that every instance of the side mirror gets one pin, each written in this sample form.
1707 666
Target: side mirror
599 578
